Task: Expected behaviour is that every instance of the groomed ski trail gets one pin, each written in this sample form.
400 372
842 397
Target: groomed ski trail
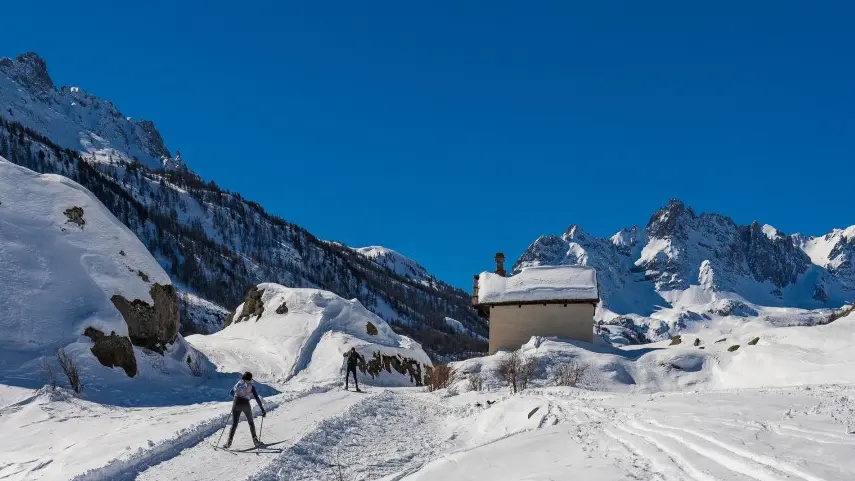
199 461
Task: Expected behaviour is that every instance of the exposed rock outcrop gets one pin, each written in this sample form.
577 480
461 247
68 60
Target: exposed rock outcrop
29 70
252 306
113 350
75 215
151 326
402 365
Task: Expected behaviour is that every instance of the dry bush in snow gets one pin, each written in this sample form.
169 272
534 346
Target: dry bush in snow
509 368
439 377
568 373
69 367
476 381
528 368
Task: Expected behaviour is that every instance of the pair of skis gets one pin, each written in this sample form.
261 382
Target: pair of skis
263 448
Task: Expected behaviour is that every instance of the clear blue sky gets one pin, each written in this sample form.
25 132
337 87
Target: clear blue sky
451 130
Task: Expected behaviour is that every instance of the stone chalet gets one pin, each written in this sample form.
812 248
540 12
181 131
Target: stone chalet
554 301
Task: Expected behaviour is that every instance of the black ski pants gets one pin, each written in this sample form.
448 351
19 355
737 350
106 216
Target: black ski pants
241 406
351 369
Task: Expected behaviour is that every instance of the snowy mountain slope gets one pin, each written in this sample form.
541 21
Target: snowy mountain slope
212 242
282 333
685 268
200 316
75 278
397 263
834 251
75 119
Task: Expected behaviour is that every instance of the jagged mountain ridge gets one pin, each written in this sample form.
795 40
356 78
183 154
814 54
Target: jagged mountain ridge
75 119
688 265
212 242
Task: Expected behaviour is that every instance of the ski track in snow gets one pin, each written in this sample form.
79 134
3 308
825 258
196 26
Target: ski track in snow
387 434
200 438
787 434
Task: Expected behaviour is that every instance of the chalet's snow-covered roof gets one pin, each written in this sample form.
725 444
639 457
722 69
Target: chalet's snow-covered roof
542 283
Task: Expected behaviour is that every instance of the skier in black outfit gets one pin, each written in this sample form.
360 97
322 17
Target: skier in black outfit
242 392
353 358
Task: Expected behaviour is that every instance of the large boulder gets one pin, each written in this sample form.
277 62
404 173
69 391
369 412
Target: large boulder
155 325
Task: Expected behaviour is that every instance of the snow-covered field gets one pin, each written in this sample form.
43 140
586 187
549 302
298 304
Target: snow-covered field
782 408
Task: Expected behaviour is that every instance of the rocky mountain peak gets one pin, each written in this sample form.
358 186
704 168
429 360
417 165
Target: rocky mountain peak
574 232
627 238
670 220
29 70
151 140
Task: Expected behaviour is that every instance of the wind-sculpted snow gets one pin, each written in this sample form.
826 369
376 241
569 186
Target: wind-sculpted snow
303 333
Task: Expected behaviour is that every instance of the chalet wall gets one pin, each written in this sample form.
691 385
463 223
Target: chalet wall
513 325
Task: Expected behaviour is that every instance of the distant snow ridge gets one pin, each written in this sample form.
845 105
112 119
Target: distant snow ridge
74 277
397 263
75 119
685 268
284 333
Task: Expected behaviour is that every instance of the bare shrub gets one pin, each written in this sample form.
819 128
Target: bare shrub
69 367
568 373
48 372
476 381
528 368
509 369
840 313
195 365
440 377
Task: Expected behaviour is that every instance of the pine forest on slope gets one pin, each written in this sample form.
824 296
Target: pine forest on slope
213 242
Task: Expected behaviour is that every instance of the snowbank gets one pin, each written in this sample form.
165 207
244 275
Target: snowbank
73 275
764 357
280 333
539 284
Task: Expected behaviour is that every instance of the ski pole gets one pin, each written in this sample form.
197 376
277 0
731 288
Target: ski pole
225 423
261 430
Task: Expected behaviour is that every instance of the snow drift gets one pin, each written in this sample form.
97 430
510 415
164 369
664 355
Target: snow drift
74 277
280 333
750 358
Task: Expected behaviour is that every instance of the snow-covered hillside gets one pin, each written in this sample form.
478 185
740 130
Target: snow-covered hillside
684 270
213 243
397 263
75 278
281 333
75 119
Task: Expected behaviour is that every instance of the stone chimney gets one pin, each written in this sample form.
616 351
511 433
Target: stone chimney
500 264
475 290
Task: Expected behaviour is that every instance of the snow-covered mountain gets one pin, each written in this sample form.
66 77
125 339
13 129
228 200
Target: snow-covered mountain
75 278
212 242
397 263
684 267
75 119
